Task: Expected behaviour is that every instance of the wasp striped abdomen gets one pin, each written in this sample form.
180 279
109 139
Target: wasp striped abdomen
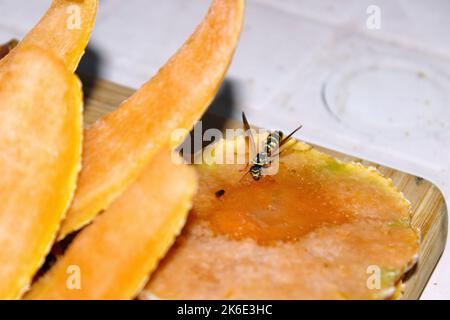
273 142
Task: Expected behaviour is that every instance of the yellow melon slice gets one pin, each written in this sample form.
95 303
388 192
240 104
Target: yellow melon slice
118 146
65 29
7 47
318 229
115 254
40 148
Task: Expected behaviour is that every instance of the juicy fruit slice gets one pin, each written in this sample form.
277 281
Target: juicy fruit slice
123 245
65 29
117 147
319 229
7 47
40 143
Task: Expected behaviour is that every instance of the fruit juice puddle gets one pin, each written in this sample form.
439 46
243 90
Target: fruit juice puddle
284 207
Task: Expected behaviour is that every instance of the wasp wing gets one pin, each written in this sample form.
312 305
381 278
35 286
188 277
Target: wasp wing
249 133
286 139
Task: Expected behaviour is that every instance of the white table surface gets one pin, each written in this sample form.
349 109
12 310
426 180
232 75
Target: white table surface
293 55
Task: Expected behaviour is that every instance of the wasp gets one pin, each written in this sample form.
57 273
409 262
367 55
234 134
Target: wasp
270 149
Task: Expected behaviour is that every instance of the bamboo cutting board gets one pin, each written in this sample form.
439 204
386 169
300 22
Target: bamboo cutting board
428 204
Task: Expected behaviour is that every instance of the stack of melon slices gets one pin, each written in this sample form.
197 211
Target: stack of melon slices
309 232
126 168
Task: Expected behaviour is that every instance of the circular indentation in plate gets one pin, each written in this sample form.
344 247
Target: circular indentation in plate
389 97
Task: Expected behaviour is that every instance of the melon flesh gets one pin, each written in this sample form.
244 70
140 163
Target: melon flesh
40 143
117 252
315 230
117 147
65 29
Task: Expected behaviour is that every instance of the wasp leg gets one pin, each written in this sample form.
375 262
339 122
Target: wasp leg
242 178
245 168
